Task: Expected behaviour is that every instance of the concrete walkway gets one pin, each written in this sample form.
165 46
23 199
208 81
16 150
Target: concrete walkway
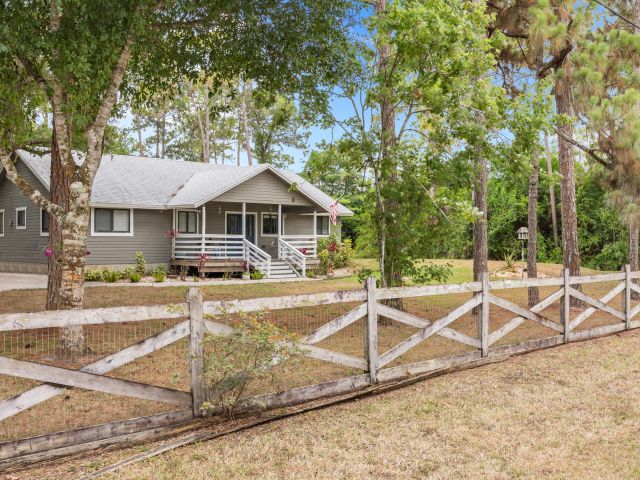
28 281
21 281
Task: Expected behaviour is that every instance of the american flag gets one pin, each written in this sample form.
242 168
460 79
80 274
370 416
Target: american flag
333 213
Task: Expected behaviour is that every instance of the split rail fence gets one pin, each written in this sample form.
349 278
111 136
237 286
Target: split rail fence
391 323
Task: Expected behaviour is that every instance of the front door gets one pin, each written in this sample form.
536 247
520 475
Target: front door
234 225
251 228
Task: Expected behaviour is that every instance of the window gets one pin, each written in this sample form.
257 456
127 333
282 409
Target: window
269 224
1 223
44 223
322 225
21 218
187 222
234 224
111 221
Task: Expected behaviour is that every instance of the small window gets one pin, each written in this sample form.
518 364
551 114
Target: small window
21 218
322 225
111 221
187 222
269 224
1 223
44 222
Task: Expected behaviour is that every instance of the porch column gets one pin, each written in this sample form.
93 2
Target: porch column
244 228
315 233
203 227
174 228
279 226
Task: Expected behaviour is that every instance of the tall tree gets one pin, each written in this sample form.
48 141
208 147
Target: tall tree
80 56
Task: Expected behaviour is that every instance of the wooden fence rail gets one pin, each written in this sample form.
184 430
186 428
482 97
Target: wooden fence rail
375 365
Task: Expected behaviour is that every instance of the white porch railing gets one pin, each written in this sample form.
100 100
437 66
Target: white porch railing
294 257
306 243
258 259
189 246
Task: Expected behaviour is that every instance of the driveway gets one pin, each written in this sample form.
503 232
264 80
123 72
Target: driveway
21 281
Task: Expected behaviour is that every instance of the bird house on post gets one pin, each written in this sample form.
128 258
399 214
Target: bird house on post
523 233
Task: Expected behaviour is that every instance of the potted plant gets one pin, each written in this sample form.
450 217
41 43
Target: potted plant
246 275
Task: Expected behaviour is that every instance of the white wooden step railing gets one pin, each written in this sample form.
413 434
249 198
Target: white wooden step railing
306 244
294 257
257 259
190 246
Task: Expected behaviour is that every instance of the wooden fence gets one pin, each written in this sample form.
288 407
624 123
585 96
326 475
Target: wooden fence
376 366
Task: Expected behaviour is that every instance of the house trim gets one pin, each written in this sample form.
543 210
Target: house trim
111 234
21 209
44 234
262 234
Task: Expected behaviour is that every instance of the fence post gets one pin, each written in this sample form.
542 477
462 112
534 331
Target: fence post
196 358
627 296
565 309
483 327
371 330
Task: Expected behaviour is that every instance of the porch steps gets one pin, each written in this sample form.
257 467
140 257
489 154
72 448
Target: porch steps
281 269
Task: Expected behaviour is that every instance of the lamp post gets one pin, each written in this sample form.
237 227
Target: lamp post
523 236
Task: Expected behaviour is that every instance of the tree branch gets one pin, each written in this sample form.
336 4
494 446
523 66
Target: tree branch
589 151
32 193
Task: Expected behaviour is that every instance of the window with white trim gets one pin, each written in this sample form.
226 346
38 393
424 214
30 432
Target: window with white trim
269 224
2 223
112 221
322 225
44 222
187 222
21 218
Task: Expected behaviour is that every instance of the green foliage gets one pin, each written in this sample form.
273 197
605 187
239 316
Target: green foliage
135 277
612 257
159 274
333 254
233 362
257 275
141 264
429 273
91 275
110 276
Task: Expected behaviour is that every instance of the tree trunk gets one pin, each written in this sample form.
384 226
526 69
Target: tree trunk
71 338
633 253
570 252
206 151
136 120
480 245
164 133
552 191
532 251
245 124
390 273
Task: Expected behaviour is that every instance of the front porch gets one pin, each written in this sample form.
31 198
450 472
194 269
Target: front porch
275 239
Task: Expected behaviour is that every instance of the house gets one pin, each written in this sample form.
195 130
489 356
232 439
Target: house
177 214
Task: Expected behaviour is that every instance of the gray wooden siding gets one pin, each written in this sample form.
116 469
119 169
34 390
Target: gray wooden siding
149 228
267 188
25 246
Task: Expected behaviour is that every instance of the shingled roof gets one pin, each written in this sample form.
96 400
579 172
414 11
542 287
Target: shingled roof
142 182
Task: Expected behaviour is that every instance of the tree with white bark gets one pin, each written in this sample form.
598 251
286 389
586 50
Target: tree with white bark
81 58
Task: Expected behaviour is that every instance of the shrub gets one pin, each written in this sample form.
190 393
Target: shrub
141 264
110 276
612 256
431 273
257 275
126 273
159 274
135 277
332 254
234 361
93 275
